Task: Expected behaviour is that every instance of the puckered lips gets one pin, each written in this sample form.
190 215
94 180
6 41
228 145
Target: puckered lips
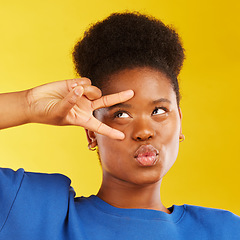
146 155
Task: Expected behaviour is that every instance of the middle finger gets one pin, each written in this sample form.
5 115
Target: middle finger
112 99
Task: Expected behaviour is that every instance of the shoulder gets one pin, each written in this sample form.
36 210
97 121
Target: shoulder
218 220
27 188
11 179
205 212
33 196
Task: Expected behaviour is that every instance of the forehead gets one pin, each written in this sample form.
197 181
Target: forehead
148 84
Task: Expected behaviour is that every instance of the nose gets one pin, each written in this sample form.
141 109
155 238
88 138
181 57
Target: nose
142 130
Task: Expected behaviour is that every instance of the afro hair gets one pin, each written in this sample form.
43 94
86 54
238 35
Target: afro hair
128 40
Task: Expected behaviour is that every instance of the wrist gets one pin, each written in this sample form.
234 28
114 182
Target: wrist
14 109
26 106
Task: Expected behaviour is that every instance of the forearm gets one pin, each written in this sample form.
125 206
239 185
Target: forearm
68 102
13 109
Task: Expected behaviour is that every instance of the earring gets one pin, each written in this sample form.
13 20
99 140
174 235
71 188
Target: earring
181 138
90 147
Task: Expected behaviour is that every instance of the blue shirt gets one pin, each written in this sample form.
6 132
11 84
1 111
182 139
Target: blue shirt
36 206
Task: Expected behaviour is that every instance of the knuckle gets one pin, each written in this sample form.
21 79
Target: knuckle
99 126
105 101
88 119
93 105
71 100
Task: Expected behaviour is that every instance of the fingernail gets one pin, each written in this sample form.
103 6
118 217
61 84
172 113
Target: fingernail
73 85
78 91
120 135
129 93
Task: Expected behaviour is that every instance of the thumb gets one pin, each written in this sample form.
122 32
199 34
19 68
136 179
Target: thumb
69 101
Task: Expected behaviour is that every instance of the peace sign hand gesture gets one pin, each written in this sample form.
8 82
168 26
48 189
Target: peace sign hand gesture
72 102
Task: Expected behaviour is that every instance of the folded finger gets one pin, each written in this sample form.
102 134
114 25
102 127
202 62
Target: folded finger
67 103
92 92
72 83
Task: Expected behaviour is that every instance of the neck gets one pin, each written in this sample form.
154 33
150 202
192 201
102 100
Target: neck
122 194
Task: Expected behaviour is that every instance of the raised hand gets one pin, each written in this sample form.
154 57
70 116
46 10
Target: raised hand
72 102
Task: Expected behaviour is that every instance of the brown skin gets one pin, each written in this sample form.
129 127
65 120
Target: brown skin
69 102
141 121
127 184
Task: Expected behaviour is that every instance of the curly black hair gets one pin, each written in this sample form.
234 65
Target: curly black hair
125 41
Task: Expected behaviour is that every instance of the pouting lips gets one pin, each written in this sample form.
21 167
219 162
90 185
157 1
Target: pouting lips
146 155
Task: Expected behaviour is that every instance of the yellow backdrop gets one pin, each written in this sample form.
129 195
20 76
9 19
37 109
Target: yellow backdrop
36 39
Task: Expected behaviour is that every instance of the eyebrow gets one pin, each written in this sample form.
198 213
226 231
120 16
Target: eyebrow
162 100
126 105
119 105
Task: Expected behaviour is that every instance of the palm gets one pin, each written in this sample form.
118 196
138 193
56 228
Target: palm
81 113
55 103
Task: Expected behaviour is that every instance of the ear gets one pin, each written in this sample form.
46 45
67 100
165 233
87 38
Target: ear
180 115
91 137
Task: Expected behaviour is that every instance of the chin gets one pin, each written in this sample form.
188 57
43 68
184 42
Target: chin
146 178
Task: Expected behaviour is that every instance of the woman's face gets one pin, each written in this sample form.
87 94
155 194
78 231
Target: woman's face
151 122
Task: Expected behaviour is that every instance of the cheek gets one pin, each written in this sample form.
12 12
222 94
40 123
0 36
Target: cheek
109 150
169 138
103 144
169 131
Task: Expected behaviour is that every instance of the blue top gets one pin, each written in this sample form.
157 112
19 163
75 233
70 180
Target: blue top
42 206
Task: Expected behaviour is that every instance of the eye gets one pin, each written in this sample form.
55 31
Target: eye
121 115
159 111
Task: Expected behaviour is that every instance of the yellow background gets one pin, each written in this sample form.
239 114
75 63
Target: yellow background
36 39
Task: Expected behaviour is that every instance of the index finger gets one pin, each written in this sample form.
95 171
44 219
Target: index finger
112 99
101 128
